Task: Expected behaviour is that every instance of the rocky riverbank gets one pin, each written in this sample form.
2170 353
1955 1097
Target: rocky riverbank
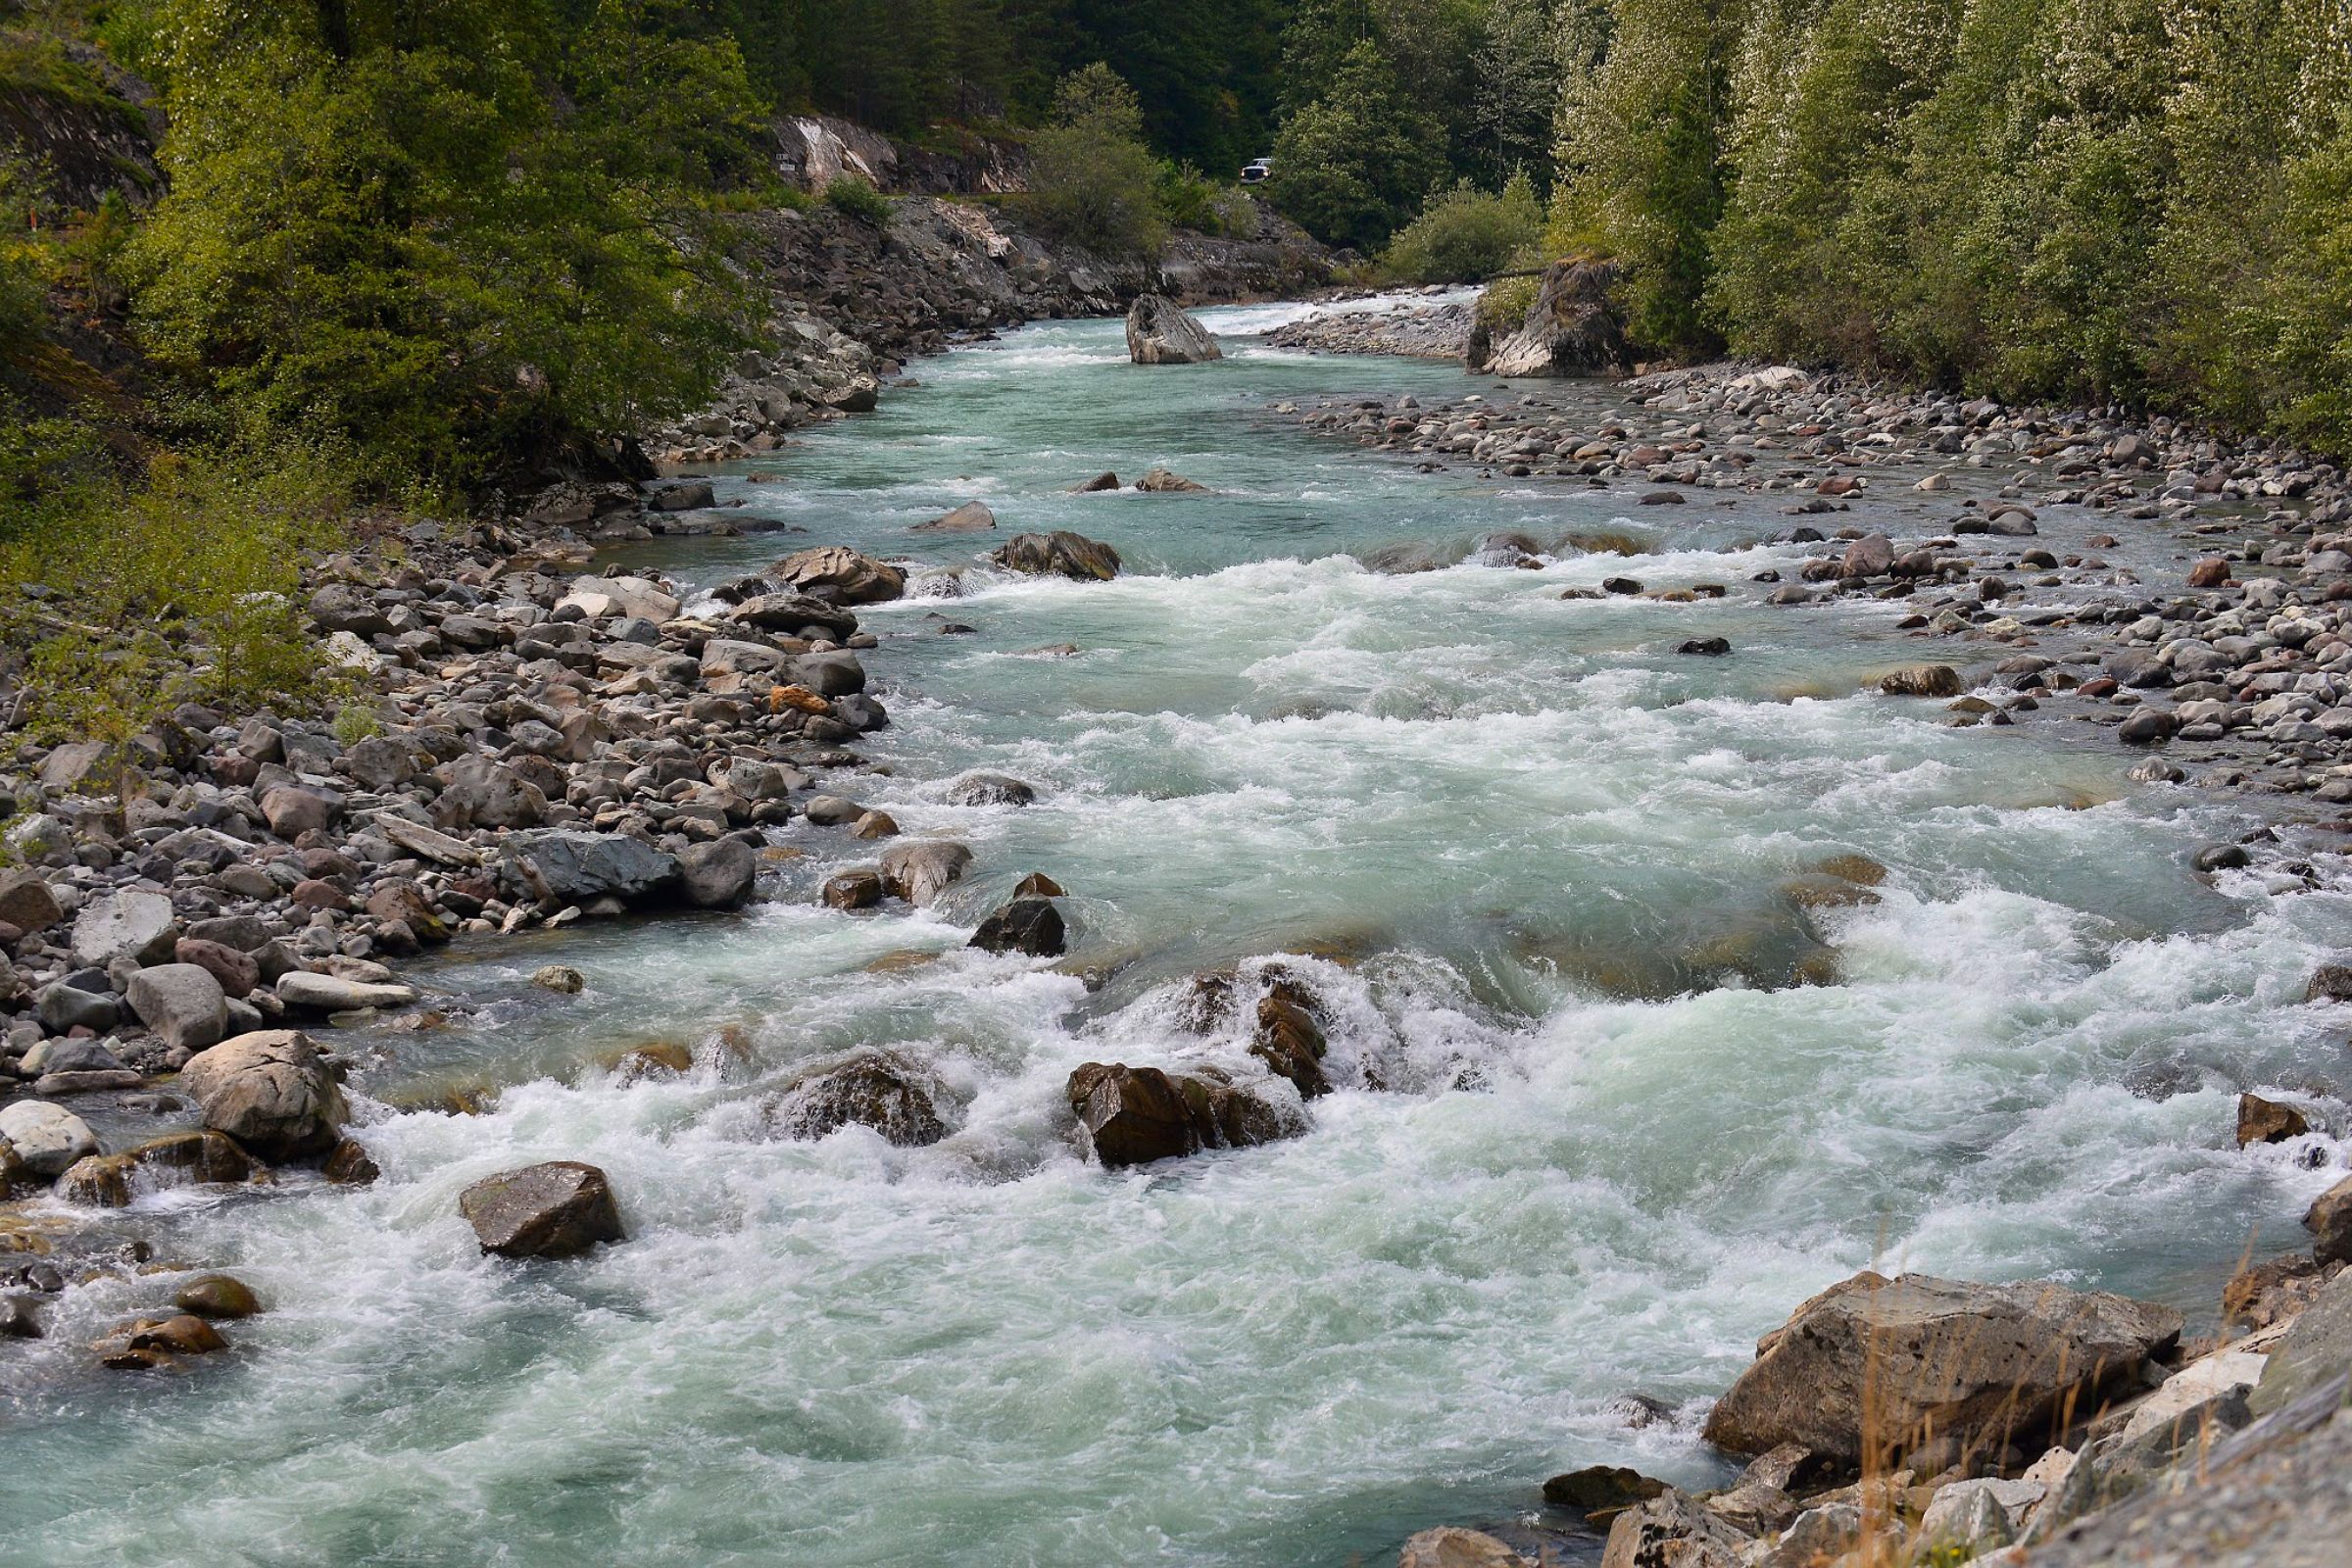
1411 328
2231 667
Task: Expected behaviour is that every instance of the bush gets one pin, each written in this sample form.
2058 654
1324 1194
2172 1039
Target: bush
859 199
1466 235
1093 182
123 601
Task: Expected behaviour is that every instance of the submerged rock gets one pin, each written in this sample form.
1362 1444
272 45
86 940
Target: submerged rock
876 1090
1030 925
971 517
1159 332
1452 1547
1160 481
1923 680
176 1159
1945 1363
217 1296
1135 1115
1060 554
558 1209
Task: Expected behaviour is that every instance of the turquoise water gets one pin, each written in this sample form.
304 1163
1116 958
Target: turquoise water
1576 1149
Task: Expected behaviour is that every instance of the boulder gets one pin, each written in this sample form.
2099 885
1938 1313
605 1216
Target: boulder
562 866
1602 1485
718 876
47 1138
558 1209
293 811
181 1002
131 924
876 1090
599 597
269 1091
2329 1221
1290 1039
1030 925
61 1007
1573 327
1161 482
1133 1116
1106 480
2267 1121
921 869
1060 554
1670 1531
793 613
26 903
1923 680
1159 332
2316 1348
175 1160
855 888
330 993
989 789
477 792
1942 1361
1969 1517
236 969
1455 1547
560 978
971 517
835 674
217 1297
840 575
1871 556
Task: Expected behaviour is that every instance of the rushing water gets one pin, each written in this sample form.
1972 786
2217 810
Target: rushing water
1521 842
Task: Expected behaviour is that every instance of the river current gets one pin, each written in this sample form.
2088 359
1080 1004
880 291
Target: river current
1585 1140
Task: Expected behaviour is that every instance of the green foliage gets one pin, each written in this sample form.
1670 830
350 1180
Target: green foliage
125 600
1353 165
1466 235
857 198
387 232
356 723
1092 181
1192 200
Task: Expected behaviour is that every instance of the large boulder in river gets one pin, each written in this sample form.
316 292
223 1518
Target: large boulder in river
1671 1531
1028 924
271 1091
558 1209
1944 1366
1574 327
839 575
1159 332
876 1090
919 870
1133 1116
564 866
1060 554
720 876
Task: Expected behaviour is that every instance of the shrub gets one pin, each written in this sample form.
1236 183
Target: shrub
1466 235
1093 182
849 194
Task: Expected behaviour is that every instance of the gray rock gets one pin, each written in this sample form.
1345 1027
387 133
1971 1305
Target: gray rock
918 870
1671 1531
326 993
720 876
1060 554
131 924
830 674
183 1003
61 1007
2315 1350
47 1138
292 812
271 1091
72 1057
558 1209
566 867
1159 332
989 789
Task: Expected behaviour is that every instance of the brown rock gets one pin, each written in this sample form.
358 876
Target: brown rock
1923 680
1455 1547
237 973
2267 1121
26 903
1135 1115
2270 1292
1061 554
175 1160
1290 1039
841 575
1943 1360
2329 1221
1602 1485
218 1296
350 1164
854 890
876 1090
558 1209
2210 572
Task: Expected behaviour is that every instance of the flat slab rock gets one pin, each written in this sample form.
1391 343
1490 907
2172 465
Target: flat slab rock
558 1209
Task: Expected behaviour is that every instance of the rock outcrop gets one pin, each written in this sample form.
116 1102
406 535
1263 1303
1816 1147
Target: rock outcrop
1159 332
1574 327
1940 1367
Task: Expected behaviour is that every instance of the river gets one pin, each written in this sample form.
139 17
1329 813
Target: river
1585 1140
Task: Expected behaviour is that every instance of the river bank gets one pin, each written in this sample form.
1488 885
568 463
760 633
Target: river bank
1521 1144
